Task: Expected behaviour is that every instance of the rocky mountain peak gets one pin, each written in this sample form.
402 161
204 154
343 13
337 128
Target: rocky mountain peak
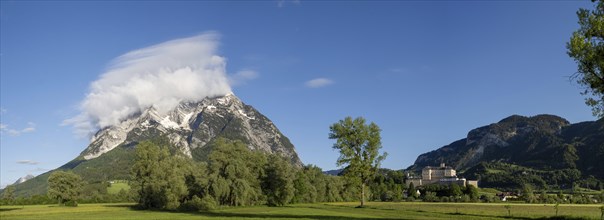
193 126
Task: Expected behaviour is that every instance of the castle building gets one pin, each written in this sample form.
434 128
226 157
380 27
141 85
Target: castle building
443 174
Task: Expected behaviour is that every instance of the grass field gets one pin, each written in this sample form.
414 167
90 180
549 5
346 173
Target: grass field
117 186
374 210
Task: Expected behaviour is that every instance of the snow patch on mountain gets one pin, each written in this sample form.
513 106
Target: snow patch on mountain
245 115
167 123
23 179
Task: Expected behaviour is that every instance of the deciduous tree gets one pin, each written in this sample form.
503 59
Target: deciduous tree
158 177
586 47
359 146
65 187
411 191
8 194
277 184
235 173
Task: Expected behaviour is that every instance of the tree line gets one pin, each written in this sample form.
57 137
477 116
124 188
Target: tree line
233 176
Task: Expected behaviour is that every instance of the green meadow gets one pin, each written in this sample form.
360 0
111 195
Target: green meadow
118 186
374 210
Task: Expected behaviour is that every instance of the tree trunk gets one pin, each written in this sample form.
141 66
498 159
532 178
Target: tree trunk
362 194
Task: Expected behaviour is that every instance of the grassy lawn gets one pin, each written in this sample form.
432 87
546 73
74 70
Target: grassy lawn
374 210
117 186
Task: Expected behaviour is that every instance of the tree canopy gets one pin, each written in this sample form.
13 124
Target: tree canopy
278 181
158 177
66 187
586 47
359 146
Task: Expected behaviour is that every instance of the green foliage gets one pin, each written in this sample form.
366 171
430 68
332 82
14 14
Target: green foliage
569 156
450 193
387 185
455 190
472 192
65 187
359 146
430 197
277 183
117 186
8 195
207 203
527 193
157 177
304 192
586 47
412 191
334 186
235 173
508 177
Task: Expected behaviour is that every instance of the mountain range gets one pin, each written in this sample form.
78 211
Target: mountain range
544 150
191 129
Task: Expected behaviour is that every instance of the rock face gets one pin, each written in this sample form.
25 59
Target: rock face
544 142
193 127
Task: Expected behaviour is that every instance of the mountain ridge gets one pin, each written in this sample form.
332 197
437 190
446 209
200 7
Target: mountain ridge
541 142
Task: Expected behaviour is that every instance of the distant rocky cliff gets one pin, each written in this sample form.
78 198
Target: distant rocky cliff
543 142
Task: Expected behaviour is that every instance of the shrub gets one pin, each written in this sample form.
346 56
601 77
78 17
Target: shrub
71 203
196 204
464 198
387 196
430 197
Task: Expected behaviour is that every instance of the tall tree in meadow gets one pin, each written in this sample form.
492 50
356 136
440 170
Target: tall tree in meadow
586 47
359 144
65 187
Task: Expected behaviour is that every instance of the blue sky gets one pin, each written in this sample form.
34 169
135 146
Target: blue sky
425 71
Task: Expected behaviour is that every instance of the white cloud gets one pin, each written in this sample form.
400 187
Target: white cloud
29 162
242 77
28 129
318 82
13 132
281 3
161 76
31 127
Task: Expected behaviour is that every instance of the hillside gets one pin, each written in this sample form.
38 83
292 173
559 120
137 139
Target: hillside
191 129
544 150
